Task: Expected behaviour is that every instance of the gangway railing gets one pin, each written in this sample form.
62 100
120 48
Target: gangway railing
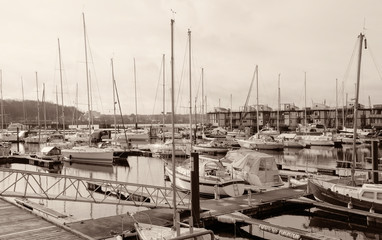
39 185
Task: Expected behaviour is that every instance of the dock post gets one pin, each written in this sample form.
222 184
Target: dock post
17 139
216 192
195 194
374 157
249 197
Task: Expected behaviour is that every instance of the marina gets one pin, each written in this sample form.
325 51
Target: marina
177 120
90 220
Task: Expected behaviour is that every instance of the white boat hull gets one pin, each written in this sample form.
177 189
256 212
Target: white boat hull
232 188
89 155
260 145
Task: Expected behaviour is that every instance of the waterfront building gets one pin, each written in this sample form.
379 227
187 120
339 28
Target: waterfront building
290 116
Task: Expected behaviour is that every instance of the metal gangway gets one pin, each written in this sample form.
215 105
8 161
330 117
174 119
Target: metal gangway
51 186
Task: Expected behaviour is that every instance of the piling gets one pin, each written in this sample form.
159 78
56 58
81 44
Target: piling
17 140
195 195
375 162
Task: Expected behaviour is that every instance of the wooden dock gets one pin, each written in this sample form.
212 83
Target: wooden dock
256 203
19 223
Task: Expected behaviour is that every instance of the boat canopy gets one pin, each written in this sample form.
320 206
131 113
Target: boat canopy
51 151
258 169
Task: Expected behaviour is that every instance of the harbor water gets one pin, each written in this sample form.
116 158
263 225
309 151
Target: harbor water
150 170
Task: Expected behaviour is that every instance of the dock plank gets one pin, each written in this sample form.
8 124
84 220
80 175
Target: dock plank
109 226
18 223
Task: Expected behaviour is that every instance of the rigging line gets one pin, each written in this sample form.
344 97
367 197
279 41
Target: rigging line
66 84
197 92
374 60
181 78
194 67
94 69
346 75
120 111
156 92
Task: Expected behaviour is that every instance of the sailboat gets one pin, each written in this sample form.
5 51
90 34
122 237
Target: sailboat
365 196
149 231
88 154
260 141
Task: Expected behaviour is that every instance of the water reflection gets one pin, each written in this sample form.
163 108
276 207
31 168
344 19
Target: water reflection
315 158
328 224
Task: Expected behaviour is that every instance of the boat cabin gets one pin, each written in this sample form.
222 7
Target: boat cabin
50 151
371 192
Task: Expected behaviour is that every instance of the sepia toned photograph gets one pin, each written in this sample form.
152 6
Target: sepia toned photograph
191 119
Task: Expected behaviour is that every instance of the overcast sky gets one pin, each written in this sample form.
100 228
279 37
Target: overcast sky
229 38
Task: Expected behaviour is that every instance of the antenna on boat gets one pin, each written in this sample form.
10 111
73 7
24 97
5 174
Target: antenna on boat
173 14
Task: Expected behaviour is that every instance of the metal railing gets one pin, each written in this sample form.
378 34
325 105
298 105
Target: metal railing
29 184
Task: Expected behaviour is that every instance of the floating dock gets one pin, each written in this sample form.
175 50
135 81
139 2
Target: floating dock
20 223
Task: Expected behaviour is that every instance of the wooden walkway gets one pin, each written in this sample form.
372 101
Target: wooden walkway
18 223
211 210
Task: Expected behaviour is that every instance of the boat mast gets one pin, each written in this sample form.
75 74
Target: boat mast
43 104
62 91
135 90
114 110
336 104
175 222
305 102
361 37
22 92
189 67
164 91
230 120
257 99
203 100
278 106
343 105
58 118
2 103
38 111
87 78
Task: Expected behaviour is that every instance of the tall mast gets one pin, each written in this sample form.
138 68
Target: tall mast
91 99
135 90
164 90
75 115
305 102
343 105
203 99
43 104
231 114
189 67
114 110
361 36
58 118
22 92
257 99
38 111
336 104
278 105
173 128
2 104
87 77
62 91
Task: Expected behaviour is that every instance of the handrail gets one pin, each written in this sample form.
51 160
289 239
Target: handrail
196 234
29 184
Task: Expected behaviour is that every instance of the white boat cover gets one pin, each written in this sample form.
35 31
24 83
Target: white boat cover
258 169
